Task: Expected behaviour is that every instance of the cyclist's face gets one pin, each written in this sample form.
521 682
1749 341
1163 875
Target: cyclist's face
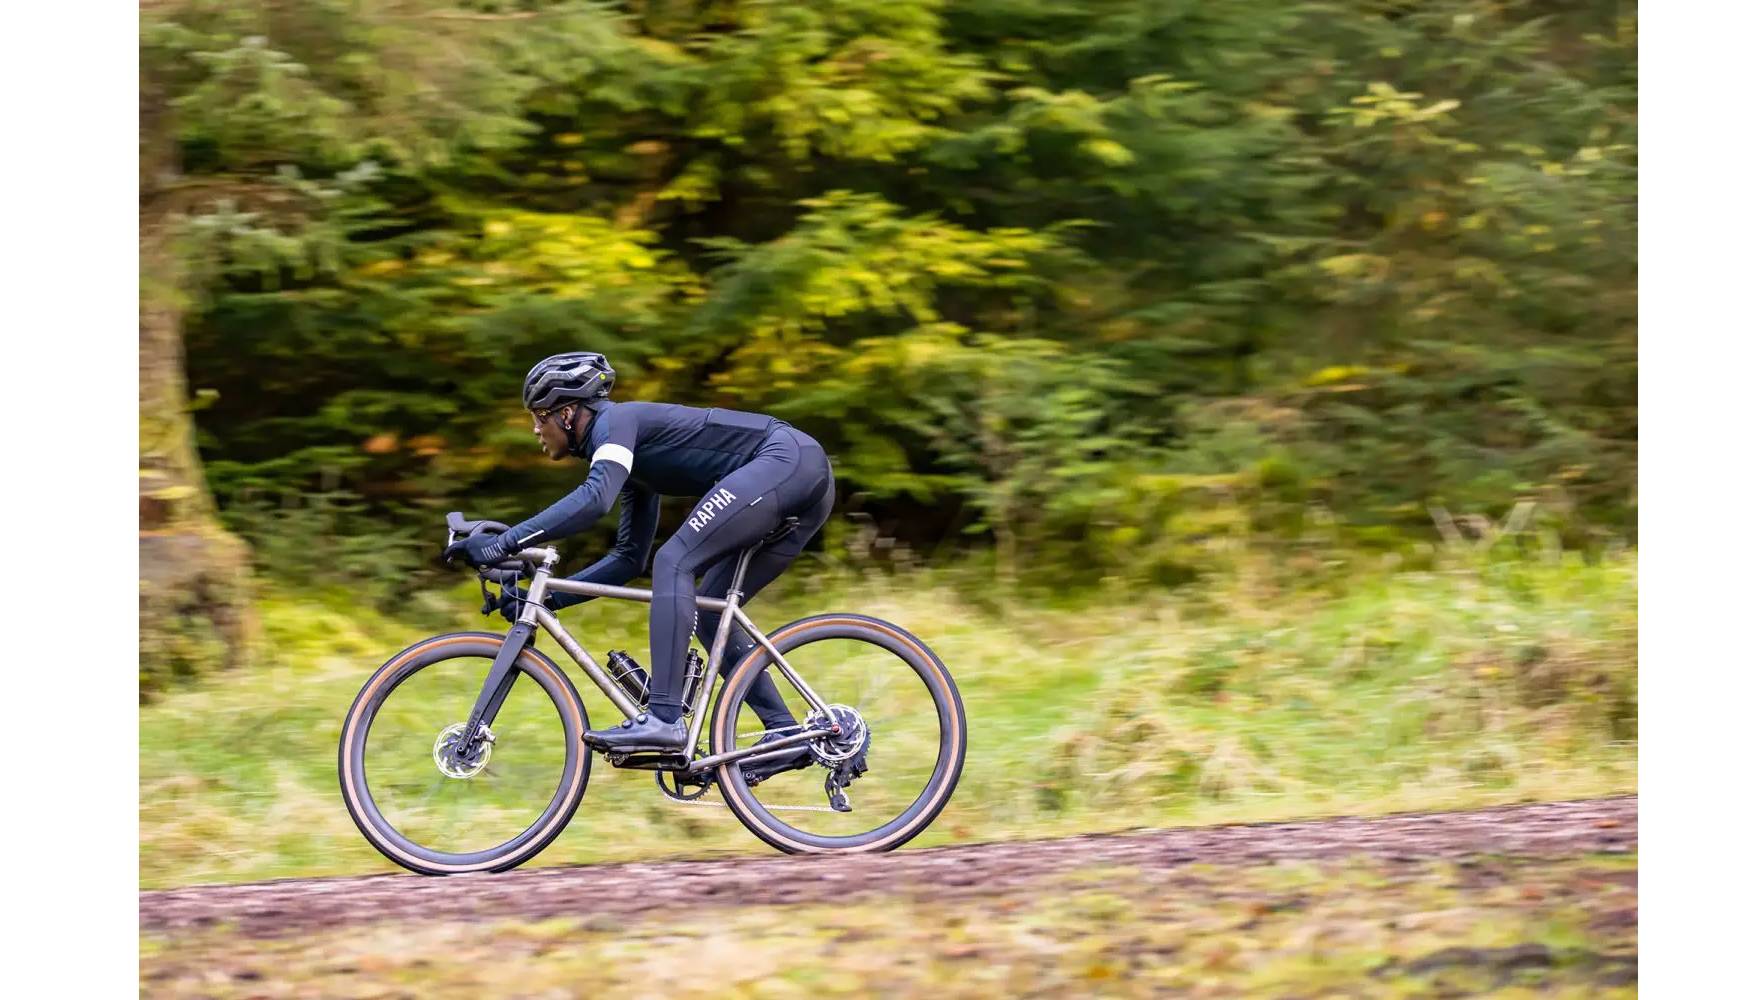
551 429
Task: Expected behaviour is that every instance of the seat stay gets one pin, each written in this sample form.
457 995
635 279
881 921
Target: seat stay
761 639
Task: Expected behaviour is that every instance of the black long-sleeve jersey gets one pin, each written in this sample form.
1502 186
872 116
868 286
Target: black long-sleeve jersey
642 452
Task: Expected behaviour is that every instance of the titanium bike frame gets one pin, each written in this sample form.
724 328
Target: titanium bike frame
501 676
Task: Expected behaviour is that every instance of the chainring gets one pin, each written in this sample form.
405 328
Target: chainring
681 781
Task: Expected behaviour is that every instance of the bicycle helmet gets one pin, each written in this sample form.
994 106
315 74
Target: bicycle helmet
577 376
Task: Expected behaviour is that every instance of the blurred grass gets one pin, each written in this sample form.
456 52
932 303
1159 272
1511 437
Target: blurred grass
1484 681
1352 928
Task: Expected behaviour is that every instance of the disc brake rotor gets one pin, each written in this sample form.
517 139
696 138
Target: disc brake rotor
855 736
450 764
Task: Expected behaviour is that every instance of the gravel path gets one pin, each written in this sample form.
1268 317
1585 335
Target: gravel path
1553 829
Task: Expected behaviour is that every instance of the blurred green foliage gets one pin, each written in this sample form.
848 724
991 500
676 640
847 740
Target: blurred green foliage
1123 287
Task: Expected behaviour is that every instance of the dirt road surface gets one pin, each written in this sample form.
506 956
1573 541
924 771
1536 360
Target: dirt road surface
283 907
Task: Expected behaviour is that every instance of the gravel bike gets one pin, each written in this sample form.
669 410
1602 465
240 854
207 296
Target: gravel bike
464 753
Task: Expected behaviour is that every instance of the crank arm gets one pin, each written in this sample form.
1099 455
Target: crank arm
645 760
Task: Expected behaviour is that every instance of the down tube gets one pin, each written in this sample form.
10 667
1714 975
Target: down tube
609 687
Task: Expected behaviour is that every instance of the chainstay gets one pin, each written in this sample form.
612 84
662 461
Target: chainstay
721 805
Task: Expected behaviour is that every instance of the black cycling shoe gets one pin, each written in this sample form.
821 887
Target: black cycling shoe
645 732
760 771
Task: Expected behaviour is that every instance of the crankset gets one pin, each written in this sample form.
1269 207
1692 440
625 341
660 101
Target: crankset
684 787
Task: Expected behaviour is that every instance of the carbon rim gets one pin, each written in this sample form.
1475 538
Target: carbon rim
540 690
796 830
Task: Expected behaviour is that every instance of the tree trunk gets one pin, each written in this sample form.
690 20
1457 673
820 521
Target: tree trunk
195 612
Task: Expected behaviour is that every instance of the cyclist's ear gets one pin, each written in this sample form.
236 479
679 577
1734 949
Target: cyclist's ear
578 417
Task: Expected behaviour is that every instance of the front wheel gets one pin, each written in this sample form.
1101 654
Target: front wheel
889 774
432 811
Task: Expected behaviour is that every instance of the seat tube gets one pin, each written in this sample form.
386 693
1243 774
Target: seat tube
711 680
716 654
743 565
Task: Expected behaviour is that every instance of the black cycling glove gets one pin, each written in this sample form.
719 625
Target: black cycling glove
482 549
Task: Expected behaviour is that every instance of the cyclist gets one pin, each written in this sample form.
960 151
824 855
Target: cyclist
750 471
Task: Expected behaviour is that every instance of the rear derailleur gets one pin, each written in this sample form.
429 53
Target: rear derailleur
843 754
840 776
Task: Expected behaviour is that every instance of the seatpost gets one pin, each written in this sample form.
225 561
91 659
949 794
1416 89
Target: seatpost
743 565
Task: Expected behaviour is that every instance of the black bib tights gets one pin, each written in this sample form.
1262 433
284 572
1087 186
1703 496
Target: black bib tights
789 477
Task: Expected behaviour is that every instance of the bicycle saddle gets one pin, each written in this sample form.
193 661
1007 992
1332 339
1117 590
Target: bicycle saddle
785 528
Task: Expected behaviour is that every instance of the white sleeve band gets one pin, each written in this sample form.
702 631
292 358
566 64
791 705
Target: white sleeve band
614 453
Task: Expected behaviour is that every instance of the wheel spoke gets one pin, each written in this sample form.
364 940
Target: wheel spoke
432 789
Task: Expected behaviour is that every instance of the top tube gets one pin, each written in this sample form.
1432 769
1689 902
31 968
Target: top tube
625 593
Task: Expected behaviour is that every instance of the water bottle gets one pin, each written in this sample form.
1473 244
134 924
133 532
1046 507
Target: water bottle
630 675
694 670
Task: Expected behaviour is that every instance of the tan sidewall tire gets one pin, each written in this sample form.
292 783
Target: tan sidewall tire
536 667
953 726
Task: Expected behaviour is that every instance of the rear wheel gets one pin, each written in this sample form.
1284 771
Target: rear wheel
896 762
428 809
